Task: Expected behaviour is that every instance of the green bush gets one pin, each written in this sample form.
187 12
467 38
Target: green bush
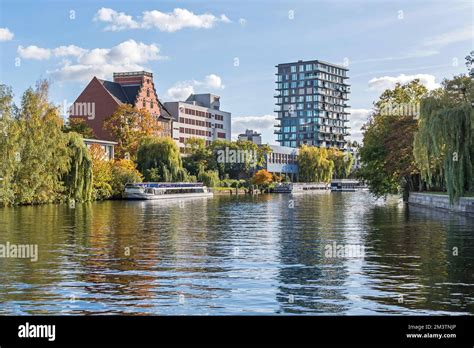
209 178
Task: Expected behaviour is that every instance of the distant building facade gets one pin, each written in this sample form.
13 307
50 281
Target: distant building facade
354 151
252 136
282 160
311 99
199 116
134 88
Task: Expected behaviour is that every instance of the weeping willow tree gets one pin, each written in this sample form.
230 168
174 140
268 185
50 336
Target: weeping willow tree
443 146
315 164
342 162
160 156
78 180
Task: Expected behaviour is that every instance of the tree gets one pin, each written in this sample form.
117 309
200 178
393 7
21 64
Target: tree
102 173
444 143
236 159
9 142
314 164
123 172
388 165
79 126
42 156
79 177
128 125
262 178
342 162
209 178
470 63
198 156
160 156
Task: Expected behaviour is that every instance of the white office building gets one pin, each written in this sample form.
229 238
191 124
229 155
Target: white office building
199 116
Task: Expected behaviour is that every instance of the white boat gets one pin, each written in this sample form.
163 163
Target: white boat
301 188
347 185
176 190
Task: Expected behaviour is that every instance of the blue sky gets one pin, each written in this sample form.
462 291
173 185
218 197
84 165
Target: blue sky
231 47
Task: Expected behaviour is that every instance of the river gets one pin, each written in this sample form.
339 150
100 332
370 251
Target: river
231 255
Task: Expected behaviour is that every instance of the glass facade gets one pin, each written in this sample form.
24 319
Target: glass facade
311 101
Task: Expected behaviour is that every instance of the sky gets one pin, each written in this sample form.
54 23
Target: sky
230 48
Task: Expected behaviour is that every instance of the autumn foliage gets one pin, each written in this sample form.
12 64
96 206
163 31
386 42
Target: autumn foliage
128 125
262 177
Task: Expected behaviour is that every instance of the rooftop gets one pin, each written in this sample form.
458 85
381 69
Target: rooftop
315 61
133 73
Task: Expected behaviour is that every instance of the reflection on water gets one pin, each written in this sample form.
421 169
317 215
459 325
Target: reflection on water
238 255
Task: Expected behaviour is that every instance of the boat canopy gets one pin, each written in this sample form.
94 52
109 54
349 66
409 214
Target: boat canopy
165 184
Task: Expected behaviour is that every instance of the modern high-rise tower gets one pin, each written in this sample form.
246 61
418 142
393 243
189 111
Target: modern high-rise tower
311 104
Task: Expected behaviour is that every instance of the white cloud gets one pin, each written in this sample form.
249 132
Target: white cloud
263 124
6 34
457 35
357 119
181 90
213 81
169 22
178 19
101 62
34 52
39 53
118 20
385 82
70 50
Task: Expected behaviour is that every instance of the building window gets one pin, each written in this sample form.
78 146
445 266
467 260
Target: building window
151 104
144 103
148 93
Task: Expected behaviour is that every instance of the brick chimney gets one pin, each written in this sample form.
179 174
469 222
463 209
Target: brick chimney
133 78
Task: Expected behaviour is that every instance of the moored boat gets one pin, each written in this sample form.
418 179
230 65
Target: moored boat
300 188
347 185
155 191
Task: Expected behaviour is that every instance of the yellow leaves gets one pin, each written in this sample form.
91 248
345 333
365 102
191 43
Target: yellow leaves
315 164
128 125
262 177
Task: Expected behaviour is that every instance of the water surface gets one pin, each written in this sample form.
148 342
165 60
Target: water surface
238 255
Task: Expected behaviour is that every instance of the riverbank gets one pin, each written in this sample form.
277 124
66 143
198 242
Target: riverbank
228 191
441 201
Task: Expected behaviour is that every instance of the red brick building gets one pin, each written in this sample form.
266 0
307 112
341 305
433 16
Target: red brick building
99 100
